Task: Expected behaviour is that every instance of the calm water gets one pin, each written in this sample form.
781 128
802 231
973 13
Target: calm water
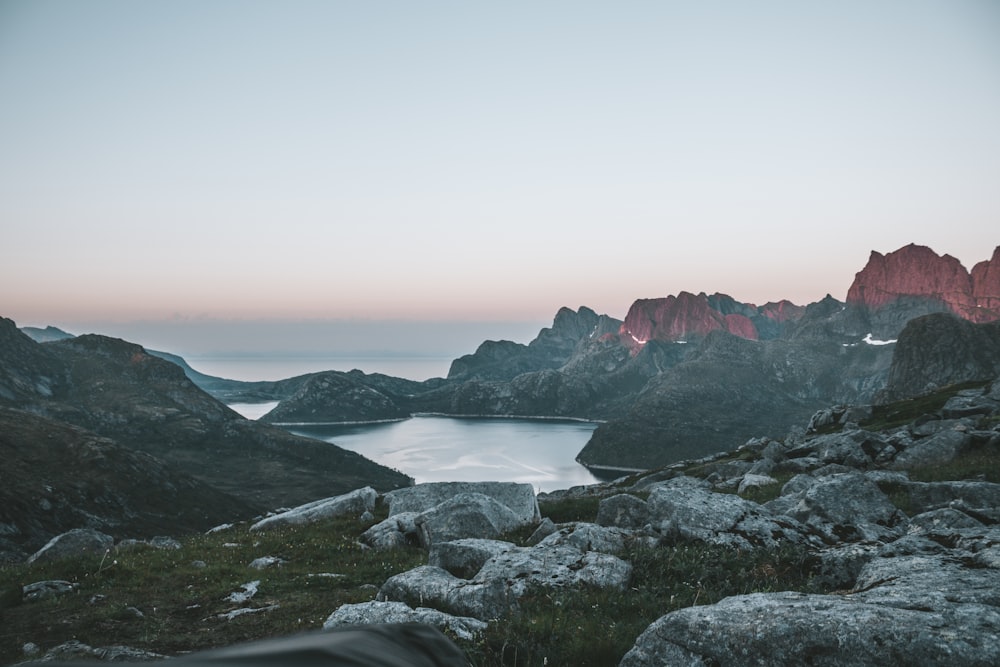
430 449
442 449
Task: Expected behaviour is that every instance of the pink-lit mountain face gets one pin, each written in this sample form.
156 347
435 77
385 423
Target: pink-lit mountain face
917 271
913 278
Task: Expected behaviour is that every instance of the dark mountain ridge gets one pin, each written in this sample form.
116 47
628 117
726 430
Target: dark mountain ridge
173 435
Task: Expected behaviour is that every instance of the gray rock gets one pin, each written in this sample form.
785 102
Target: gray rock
265 562
519 498
46 589
545 528
980 500
464 558
847 507
365 613
436 587
355 503
555 567
689 511
840 566
395 532
623 510
159 542
941 447
945 518
466 515
72 544
924 582
589 537
78 651
799 629
752 481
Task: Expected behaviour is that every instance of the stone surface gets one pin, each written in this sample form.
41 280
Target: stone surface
366 613
355 503
519 498
798 629
72 544
463 516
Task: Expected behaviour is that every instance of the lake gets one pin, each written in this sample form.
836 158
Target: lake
540 452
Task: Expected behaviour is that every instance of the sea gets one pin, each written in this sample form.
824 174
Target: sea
429 448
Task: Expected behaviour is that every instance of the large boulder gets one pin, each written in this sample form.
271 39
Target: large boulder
368 613
798 629
355 503
467 515
519 498
842 507
684 508
73 544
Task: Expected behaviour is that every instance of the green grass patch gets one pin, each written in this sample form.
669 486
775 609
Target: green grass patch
180 600
570 509
597 627
900 413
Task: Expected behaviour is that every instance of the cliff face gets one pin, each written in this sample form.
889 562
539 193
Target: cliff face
921 276
986 288
941 349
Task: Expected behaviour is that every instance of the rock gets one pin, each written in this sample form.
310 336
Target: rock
846 507
941 447
623 510
922 582
366 613
589 537
464 558
943 519
980 500
158 542
689 511
545 528
555 567
938 350
397 531
839 566
73 544
797 629
356 503
466 515
74 650
45 589
504 578
519 498
436 587
752 481
265 562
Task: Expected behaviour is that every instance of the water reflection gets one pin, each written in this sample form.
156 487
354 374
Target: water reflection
444 449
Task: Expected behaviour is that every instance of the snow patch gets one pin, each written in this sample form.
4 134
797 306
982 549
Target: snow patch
872 341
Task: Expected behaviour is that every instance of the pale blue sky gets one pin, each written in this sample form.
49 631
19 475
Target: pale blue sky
481 161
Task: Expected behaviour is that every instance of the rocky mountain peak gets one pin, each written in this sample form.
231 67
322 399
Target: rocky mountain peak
917 271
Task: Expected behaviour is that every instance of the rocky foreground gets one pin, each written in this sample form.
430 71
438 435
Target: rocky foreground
908 571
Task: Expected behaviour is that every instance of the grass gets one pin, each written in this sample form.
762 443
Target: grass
900 413
163 601
597 627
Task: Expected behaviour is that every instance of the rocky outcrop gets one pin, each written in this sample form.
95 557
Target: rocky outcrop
552 348
96 406
729 390
334 397
73 544
355 503
58 477
986 288
938 350
914 281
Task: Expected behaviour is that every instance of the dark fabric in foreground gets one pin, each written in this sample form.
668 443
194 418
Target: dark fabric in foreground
385 645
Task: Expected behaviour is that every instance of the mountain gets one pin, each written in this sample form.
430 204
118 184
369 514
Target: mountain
914 281
57 477
942 349
116 390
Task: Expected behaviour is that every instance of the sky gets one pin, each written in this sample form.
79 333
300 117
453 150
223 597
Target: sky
187 167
